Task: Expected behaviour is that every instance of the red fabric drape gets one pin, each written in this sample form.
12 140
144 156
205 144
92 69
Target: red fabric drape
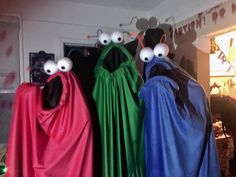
50 143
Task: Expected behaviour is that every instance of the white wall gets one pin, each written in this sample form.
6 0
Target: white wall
47 24
187 12
182 9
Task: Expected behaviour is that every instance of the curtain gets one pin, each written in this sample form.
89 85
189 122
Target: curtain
9 52
9 71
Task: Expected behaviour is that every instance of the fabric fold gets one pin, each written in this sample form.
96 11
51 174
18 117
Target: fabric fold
179 139
50 142
120 117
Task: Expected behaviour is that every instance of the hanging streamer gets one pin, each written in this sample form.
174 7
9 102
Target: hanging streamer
215 48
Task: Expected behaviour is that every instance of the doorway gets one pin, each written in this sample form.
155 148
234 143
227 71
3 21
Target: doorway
223 99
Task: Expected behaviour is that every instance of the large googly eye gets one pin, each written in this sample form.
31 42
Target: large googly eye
161 50
117 37
50 67
104 39
146 54
64 64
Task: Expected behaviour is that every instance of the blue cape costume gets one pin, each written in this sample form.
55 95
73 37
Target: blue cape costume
179 139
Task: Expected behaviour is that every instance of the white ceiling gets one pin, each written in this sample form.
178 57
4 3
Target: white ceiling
142 5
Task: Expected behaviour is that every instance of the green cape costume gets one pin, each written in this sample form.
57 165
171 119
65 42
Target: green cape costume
120 113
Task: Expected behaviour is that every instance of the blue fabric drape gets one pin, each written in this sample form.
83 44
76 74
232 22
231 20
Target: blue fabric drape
179 139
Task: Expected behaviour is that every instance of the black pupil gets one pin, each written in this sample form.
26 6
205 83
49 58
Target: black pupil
159 55
48 70
119 38
105 41
146 59
63 67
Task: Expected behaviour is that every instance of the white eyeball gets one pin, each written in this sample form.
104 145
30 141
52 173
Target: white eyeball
146 54
161 50
64 64
117 37
50 67
104 39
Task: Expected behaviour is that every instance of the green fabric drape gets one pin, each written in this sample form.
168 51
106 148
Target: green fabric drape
120 117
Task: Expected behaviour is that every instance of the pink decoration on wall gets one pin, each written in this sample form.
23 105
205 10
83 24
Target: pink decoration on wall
233 8
222 12
3 35
9 79
214 16
9 51
216 13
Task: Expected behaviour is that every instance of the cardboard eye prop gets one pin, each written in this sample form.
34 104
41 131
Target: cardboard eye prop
117 37
104 39
64 64
161 50
146 54
50 67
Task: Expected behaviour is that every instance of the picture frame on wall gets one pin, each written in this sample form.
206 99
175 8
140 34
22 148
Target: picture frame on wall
36 62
